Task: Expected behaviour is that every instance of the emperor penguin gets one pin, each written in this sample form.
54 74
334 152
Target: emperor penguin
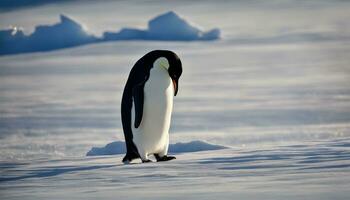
147 104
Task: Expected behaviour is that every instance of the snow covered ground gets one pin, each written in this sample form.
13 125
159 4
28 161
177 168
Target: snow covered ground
277 94
313 170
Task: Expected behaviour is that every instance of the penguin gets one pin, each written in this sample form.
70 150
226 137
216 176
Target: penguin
147 104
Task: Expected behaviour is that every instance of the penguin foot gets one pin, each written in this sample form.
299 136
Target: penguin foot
146 161
129 157
126 160
164 158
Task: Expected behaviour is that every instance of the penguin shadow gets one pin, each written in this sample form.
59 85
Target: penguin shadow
51 171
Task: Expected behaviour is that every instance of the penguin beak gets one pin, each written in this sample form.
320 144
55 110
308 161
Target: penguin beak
175 83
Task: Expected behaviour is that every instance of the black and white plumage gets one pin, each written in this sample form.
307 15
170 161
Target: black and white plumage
147 105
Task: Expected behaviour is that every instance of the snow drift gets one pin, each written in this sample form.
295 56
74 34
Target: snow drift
66 33
118 147
69 33
167 26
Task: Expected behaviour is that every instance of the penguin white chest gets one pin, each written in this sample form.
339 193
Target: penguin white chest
152 136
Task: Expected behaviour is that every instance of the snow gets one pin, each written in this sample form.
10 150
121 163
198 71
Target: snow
302 171
193 146
69 33
66 33
167 26
118 147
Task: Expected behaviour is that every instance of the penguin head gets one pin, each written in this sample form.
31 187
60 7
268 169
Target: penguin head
175 71
170 62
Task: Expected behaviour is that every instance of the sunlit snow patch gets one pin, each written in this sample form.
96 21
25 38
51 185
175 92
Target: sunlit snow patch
118 147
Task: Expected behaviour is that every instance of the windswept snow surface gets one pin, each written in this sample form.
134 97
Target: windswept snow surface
313 170
275 89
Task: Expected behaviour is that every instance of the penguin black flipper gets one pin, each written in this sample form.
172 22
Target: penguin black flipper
131 93
136 97
137 93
